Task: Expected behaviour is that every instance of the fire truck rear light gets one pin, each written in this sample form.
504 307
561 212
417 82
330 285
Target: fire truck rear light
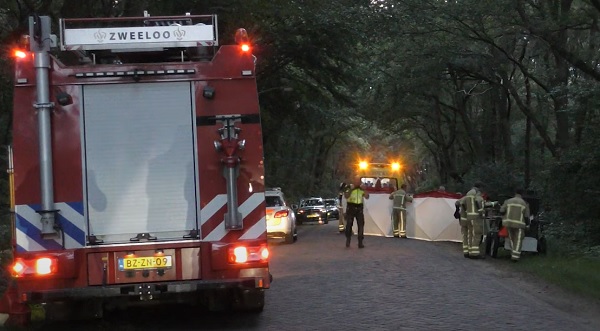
264 253
395 166
243 254
18 268
20 54
34 267
239 255
363 165
245 47
44 266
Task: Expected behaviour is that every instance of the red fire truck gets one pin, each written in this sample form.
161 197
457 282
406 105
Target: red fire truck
136 167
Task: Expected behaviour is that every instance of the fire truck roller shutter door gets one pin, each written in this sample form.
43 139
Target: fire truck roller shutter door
140 160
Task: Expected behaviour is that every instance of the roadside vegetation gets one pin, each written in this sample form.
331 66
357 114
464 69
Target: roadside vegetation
575 270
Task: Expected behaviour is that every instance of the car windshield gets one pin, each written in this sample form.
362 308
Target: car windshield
330 202
273 201
313 202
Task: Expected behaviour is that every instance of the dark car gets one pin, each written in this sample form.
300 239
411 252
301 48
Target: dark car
333 211
312 210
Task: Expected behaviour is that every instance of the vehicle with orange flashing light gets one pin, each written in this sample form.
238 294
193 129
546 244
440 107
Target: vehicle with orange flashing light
379 179
136 168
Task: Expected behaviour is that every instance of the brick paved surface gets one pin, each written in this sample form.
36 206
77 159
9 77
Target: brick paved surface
392 284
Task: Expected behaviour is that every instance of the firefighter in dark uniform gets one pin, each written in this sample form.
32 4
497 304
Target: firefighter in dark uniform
400 198
354 209
516 219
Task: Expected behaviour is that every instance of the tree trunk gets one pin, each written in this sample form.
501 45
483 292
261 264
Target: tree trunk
527 135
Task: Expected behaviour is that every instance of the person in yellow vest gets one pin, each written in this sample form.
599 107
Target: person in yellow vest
354 209
472 204
461 214
516 218
400 198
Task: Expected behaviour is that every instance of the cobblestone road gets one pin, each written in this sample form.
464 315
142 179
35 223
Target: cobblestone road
392 284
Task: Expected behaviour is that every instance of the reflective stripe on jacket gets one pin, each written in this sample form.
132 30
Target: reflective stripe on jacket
514 216
473 208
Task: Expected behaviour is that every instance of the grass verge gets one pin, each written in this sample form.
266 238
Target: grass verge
574 272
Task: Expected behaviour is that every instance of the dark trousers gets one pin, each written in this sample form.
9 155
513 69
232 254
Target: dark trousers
355 211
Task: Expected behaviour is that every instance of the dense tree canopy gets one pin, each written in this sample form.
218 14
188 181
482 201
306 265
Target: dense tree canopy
502 91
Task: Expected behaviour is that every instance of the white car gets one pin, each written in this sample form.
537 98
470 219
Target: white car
281 220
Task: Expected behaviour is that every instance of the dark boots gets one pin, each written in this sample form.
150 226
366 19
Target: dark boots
360 242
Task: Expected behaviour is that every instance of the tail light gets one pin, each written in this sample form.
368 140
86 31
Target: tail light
19 54
281 214
41 266
243 254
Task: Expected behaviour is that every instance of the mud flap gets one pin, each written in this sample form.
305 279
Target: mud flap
250 300
12 312
74 310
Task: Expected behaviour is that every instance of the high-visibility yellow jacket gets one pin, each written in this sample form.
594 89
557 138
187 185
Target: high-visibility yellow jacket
355 196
